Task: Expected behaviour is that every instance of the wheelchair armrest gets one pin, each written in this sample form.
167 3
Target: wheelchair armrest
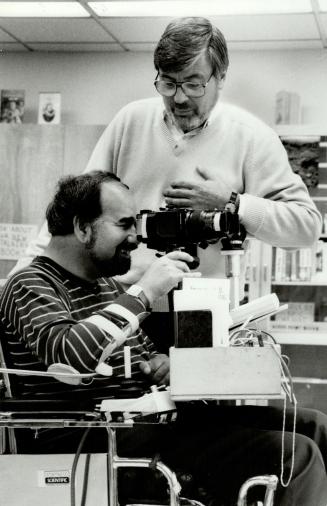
27 405
70 402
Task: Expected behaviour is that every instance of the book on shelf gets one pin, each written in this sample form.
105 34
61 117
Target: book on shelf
293 326
287 108
12 106
279 266
303 265
320 273
299 312
294 271
247 264
324 223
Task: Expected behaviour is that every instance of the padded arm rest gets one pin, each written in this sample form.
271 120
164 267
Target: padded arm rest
46 405
71 402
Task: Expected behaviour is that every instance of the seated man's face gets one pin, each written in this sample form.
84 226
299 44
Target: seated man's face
113 233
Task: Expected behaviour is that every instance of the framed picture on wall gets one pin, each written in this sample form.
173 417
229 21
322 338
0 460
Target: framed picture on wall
12 106
49 108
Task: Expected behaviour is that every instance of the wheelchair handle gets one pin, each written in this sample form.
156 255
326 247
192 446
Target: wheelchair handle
270 481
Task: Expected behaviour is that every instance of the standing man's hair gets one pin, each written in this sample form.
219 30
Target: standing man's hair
78 196
185 39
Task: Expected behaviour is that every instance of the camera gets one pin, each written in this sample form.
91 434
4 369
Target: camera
179 228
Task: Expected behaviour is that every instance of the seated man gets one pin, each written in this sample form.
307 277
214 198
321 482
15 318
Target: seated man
65 307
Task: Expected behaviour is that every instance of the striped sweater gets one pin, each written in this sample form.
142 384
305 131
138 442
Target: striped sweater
44 311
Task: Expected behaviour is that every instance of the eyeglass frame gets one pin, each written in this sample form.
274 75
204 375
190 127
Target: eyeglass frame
179 84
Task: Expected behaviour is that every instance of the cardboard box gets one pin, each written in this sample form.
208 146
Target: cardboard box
224 373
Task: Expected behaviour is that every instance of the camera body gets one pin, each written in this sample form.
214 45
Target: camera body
176 228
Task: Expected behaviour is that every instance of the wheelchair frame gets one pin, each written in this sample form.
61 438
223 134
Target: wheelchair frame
114 462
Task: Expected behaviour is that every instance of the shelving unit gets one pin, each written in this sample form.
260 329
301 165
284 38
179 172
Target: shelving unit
306 342
307 349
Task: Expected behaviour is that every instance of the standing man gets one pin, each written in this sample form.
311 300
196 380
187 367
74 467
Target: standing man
188 149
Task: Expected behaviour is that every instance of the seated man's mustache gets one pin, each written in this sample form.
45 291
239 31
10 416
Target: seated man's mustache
128 246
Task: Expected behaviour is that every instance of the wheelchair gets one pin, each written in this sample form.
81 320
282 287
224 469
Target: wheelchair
17 413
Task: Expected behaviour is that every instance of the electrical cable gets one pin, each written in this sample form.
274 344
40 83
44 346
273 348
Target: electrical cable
250 337
85 478
288 388
241 337
74 467
282 477
268 335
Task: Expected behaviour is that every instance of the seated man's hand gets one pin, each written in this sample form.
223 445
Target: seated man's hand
165 274
157 368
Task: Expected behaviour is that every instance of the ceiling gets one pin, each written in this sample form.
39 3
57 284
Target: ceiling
111 34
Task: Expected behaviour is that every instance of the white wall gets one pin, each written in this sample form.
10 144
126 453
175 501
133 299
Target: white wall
255 77
95 85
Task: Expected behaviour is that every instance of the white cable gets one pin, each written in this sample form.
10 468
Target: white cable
287 386
288 389
239 341
282 478
26 372
247 321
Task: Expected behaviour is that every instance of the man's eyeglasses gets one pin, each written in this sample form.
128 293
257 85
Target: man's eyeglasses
190 89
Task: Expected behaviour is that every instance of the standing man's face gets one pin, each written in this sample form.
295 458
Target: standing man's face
189 112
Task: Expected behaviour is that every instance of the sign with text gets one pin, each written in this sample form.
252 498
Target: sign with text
14 238
56 477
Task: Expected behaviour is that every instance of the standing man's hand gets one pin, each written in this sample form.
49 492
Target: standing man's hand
157 368
206 194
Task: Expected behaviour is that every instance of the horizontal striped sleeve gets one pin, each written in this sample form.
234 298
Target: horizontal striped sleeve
34 310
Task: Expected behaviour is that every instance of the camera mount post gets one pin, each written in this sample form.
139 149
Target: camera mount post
232 249
233 270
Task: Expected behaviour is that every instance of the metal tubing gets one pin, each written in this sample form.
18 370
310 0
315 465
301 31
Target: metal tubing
112 469
115 462
270 481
